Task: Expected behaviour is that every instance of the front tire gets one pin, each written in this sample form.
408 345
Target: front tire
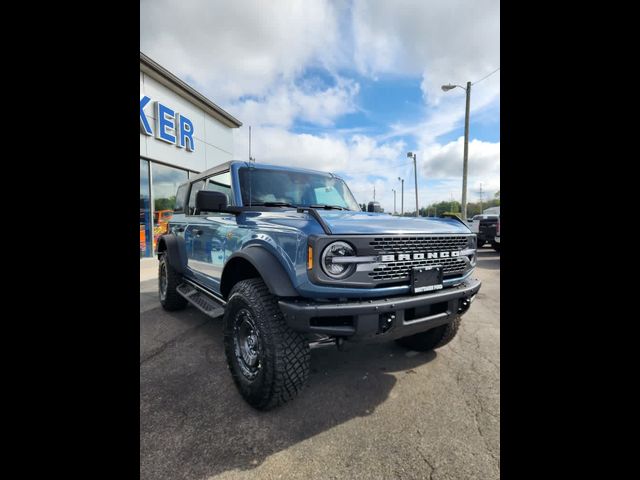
435 338
269 362
168 281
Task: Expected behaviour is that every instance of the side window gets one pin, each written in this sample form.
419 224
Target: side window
180 200
195 188
220 182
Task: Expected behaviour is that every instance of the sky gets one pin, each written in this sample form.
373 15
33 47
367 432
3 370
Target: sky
347 86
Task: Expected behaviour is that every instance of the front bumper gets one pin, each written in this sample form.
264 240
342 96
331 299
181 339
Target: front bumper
387 318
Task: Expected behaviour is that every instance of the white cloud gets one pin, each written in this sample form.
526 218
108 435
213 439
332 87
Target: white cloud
359 156
323 107
244 47
445 41
439 175
285 104
251 56
356 155
441 161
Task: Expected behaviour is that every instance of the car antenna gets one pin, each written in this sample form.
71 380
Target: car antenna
250 169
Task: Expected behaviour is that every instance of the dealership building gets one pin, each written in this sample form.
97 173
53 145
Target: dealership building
182 133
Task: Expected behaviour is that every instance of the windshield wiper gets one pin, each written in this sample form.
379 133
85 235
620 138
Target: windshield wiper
328 207
286 204
273 204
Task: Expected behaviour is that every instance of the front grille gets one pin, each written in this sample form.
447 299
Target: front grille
402 270
419 244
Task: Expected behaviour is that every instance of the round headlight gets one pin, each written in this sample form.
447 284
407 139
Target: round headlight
334 251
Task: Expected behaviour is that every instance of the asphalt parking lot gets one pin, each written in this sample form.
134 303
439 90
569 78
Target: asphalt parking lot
372 411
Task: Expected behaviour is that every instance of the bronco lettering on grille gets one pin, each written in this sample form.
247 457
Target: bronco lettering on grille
417 256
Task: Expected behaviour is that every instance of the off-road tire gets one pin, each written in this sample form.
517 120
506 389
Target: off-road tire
283 356
171 300
435 338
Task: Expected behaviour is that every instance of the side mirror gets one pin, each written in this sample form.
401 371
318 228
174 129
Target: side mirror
208 201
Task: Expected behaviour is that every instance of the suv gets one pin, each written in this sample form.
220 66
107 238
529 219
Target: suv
290 260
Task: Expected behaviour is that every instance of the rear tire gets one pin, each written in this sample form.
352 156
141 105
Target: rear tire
269 362
168 281
435 338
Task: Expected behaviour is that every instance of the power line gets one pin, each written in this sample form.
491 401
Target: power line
487 76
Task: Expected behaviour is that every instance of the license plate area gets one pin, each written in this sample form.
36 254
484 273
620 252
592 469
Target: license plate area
426 279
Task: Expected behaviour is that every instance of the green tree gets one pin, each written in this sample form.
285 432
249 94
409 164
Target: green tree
165 203
473 208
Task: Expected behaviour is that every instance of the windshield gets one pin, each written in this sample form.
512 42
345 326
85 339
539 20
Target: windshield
300 189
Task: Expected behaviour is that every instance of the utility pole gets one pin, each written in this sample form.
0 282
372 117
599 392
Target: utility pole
401 197
466 154
480 197
374 193
415 169
394 201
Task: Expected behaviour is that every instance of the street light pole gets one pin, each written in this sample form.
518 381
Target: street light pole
394 201
415 169
401 196
465 157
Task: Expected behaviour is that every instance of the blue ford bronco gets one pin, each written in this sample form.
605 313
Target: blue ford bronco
289 259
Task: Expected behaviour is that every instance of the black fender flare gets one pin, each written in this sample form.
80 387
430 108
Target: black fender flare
175 249
269 268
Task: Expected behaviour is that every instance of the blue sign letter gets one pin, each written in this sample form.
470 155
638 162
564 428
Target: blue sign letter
186 133
144 123
164 119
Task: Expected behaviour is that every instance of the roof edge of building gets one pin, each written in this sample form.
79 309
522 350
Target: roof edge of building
149 66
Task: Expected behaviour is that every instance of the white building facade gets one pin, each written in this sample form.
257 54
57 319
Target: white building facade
181 133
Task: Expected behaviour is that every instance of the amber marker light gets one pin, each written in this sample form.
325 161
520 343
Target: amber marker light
310 258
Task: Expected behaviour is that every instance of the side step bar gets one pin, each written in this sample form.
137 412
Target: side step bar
200 300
